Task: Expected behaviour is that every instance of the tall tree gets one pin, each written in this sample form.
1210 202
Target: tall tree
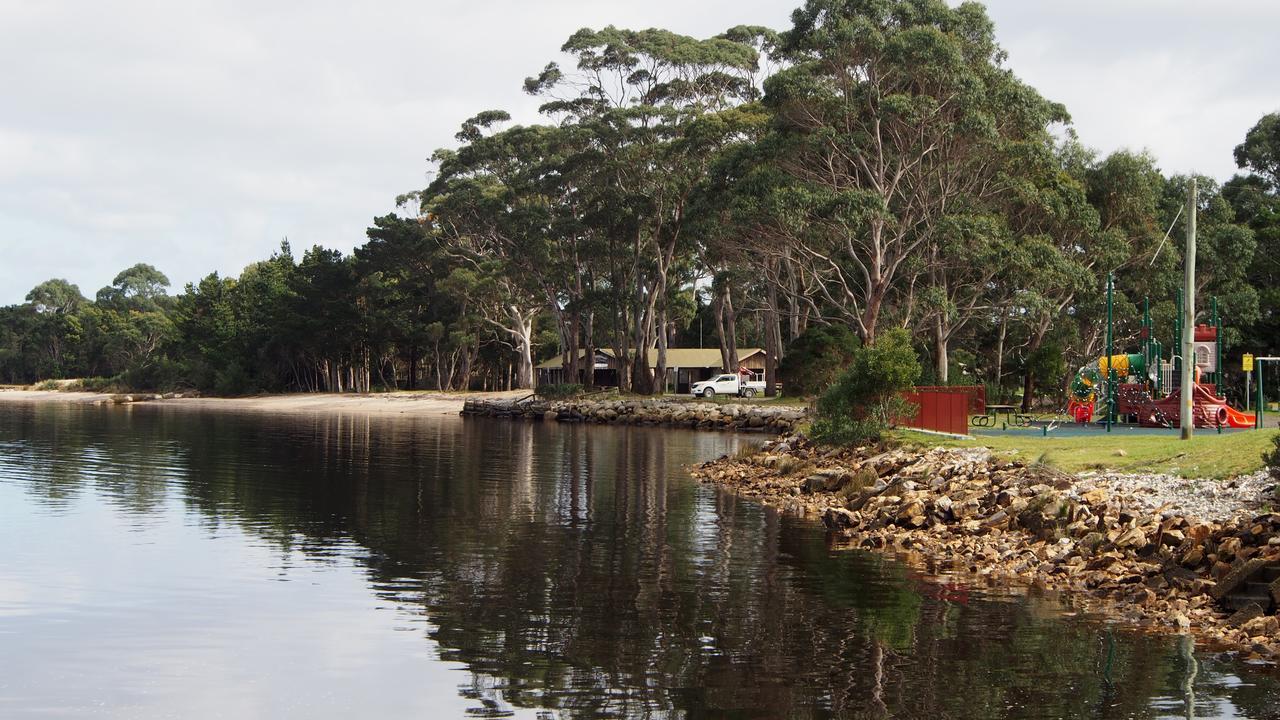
896 113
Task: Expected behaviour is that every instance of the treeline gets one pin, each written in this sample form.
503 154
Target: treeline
399 312
874 166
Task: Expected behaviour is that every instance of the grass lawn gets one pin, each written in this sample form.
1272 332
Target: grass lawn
1207 455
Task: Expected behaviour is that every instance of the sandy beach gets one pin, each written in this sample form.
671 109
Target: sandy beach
390 403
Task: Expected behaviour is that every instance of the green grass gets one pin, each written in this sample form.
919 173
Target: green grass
1206 455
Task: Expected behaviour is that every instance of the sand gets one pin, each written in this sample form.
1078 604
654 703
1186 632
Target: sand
390 403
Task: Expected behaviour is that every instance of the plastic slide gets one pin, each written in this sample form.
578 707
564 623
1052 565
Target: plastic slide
1237 419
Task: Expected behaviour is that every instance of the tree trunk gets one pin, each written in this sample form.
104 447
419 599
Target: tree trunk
941 362
1028 389
660 373
588 354
726 327
772 342
1004 329
731 330
524 351
573 362
1028 382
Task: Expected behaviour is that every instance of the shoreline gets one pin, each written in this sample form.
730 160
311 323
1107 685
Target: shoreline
412 403
1152 552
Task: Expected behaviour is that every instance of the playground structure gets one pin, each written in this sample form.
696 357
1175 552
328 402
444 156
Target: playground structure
1144 388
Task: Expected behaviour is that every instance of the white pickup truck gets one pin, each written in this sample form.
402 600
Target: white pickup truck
726 384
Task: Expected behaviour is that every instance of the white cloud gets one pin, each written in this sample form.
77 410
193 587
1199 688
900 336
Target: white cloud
196 135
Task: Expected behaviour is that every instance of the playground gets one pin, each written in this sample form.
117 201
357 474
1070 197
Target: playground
1124 410
1143 392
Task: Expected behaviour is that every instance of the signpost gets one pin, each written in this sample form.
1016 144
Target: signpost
1246 364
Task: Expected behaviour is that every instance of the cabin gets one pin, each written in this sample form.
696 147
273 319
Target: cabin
685 366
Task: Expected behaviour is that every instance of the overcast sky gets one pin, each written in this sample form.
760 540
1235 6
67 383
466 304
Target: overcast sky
196 135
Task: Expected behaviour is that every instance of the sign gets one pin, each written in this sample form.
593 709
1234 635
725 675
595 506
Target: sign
1247 363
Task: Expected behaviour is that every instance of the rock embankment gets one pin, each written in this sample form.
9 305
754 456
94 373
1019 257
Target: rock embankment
738 417
1156 557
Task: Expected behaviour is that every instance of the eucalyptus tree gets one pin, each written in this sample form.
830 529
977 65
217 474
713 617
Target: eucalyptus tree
1057 255
895 114
1256 203
1224 253
488 206
1260 151
55 324
653 103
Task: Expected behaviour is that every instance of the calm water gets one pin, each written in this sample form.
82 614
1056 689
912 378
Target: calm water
170 563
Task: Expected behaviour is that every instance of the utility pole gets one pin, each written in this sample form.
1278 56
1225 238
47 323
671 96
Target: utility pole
1111 351
1189 320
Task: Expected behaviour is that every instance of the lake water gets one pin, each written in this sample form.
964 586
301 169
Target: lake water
162 562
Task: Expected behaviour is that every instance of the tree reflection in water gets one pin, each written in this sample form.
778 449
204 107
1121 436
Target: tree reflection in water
579 569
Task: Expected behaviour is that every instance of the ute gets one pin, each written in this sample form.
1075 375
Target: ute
726 384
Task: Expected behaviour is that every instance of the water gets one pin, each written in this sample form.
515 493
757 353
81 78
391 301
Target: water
160 562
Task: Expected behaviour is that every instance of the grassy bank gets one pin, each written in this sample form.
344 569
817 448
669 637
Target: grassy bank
1206 455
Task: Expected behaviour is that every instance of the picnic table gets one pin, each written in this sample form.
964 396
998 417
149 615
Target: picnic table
992 415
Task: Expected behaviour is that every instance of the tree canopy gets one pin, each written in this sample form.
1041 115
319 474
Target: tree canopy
875 166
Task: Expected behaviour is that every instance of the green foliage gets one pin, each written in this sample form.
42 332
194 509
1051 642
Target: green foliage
875 165
559 391
816 358
1046 364
1271 459
1260 151
56 296
865 399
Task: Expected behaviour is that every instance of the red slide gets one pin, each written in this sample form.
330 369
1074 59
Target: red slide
1237 419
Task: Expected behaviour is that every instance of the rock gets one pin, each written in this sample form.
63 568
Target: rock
1245 614
839 518
1266 625
1236 578
1096 496
1193 557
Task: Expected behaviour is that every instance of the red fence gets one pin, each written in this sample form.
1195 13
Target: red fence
977 395
945 409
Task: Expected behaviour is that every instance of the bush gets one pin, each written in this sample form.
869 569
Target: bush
559 390
100 385
865 400
1272 458
814 360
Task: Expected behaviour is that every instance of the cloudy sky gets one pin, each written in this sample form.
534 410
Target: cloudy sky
197 135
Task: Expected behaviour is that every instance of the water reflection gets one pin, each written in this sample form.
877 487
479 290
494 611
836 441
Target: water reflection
161 561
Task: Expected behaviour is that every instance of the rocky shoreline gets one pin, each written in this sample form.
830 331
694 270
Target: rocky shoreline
664 412
1162 553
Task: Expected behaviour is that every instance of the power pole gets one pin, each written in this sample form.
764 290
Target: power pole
1111 353
1189 319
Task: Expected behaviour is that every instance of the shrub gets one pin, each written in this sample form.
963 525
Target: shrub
1272 458
47 385
814 360
865 400
101 385
559 390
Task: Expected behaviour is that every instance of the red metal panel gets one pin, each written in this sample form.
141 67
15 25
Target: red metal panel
941 409
976 395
